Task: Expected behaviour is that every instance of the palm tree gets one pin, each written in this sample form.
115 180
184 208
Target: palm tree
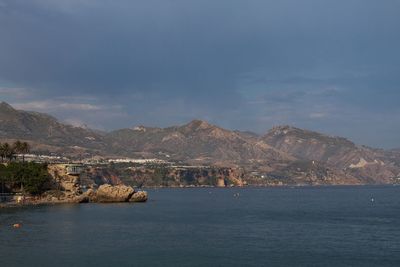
17 146
21 148
1 152
7 151
25 149
4 151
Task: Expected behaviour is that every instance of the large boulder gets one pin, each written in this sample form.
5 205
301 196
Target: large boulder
118 193
91 195
140 196
85 197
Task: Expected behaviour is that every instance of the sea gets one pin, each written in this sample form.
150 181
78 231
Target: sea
299 226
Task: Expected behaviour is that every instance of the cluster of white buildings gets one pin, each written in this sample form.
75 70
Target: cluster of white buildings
139 161
42 158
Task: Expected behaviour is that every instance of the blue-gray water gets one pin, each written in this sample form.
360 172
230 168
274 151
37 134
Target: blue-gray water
331 226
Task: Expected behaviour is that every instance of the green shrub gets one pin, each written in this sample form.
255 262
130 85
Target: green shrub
32 177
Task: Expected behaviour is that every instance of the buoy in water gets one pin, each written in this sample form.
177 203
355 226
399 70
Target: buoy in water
17 225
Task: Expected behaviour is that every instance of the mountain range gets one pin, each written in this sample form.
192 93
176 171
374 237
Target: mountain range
287 154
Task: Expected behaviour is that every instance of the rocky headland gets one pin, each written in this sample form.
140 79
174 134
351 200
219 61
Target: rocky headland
67 188
104 194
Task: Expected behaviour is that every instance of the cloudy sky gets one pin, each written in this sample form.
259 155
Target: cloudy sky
327 65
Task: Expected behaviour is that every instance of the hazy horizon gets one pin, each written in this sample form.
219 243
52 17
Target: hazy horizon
330 66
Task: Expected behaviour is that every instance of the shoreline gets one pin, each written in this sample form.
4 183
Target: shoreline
44 202
269 186
104 194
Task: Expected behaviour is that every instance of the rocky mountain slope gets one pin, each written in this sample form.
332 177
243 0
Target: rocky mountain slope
288 154
372 165
195 142
45 132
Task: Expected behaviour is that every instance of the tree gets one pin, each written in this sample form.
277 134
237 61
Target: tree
10 152
1 152
22 148
6 151
17 147
4 176
30 177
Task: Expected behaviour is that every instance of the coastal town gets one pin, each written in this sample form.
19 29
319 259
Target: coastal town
99 179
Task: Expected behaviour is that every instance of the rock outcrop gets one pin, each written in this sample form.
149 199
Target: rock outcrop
62 180
86 197
118 193
68 189
105 194
140 196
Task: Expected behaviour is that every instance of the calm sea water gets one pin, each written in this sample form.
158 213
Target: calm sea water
330 226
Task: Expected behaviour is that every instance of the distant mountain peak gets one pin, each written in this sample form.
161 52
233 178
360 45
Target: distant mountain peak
198 125
5 106
139 128
282 129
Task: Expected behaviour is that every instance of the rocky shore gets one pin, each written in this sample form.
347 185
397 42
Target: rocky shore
67 188
104 194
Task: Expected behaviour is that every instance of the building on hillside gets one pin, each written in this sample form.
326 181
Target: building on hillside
74 169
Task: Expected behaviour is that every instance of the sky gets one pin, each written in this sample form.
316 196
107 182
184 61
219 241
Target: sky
327 65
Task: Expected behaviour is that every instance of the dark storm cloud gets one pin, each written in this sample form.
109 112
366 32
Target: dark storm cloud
141 46
241 64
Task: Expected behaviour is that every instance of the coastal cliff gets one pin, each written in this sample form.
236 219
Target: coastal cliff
63 187
73 190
